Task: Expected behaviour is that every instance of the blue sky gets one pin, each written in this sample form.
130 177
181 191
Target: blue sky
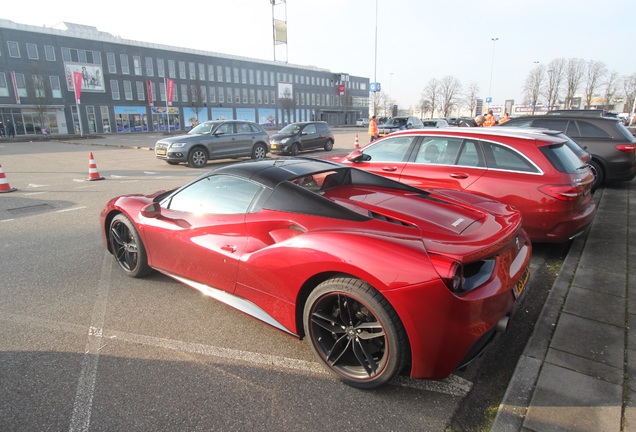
417 40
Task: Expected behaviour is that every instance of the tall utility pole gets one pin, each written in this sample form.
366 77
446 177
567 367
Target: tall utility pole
492 67
279 28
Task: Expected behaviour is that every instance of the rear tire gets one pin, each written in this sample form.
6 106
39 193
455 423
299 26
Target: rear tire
355 332
329 145
295 149
259 151
599 175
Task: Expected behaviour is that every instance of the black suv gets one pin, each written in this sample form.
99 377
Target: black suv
297 137
612 146
399 123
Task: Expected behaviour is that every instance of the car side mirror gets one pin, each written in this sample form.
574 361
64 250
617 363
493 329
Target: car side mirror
356 156
151 211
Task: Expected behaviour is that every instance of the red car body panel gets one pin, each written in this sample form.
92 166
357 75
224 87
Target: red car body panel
273 259
545 218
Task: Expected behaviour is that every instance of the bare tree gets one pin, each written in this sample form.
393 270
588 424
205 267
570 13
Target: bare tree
574 71
555 76
612 84
40 95
424 107
287 104
196 93
431 94
629 87
470 97
596 70
533 85
448 91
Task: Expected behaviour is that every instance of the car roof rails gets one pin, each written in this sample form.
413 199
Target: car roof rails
585 112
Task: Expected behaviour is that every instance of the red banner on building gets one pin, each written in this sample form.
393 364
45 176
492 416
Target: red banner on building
77 83
341 89
15 88
169 90
149 87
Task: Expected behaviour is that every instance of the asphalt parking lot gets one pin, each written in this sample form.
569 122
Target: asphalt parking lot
85 348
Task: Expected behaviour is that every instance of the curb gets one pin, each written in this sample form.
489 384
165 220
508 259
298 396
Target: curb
518 397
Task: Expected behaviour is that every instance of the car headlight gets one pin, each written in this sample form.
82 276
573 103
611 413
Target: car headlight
177 145
284 141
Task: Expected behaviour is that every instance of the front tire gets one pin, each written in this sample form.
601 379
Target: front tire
329 145
197 158
127 248
355 332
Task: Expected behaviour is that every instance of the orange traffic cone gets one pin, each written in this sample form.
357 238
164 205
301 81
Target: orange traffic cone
4 183
357 144
93 174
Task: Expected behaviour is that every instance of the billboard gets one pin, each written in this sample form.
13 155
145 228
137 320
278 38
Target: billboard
92 77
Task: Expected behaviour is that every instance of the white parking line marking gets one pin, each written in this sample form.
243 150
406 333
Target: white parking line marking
71 209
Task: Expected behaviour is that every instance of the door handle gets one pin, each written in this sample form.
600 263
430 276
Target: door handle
229 248
390 169
459 175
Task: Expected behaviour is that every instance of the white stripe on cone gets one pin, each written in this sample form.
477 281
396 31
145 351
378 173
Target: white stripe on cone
4 183
93 174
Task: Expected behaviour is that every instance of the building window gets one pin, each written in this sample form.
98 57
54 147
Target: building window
38 87
229 94
56 88
184 92
236 76
258 77
20 83
141 94
128 91
161 68
49 53
265 78
193 70
244 95
150 70
210 73
219 73
114 90
4 89
152 92
137 65
201 72
228 74
125 68
105 119
212 94
14 49
171 69
259 97
182 70
252 97
221 95
32 51
110 61
271 79
266 100
243 76
81 56
97 57
237 96
66 54
203 93
272 98
251 76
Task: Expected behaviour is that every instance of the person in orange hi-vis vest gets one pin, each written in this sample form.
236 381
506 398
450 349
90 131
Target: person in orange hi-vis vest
490 119
505 118
373 129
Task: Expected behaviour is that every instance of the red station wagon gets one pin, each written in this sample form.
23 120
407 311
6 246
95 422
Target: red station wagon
535 170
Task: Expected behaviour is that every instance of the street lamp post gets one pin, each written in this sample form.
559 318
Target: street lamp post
492 67
390 82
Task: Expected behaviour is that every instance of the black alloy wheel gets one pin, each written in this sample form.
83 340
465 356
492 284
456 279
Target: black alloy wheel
355 332
127 248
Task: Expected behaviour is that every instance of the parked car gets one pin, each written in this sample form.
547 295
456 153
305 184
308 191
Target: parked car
214 140
296 137
362 122
535 171
434 123
399 123
378 276
612 146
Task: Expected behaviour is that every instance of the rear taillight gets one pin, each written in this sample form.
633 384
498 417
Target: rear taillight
563 192
449 270
626 148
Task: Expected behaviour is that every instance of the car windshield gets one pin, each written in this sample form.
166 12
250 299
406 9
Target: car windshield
291 129
398 121
203 128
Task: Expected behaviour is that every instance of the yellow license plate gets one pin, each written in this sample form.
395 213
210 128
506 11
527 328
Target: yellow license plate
161 152
521 283
274 146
